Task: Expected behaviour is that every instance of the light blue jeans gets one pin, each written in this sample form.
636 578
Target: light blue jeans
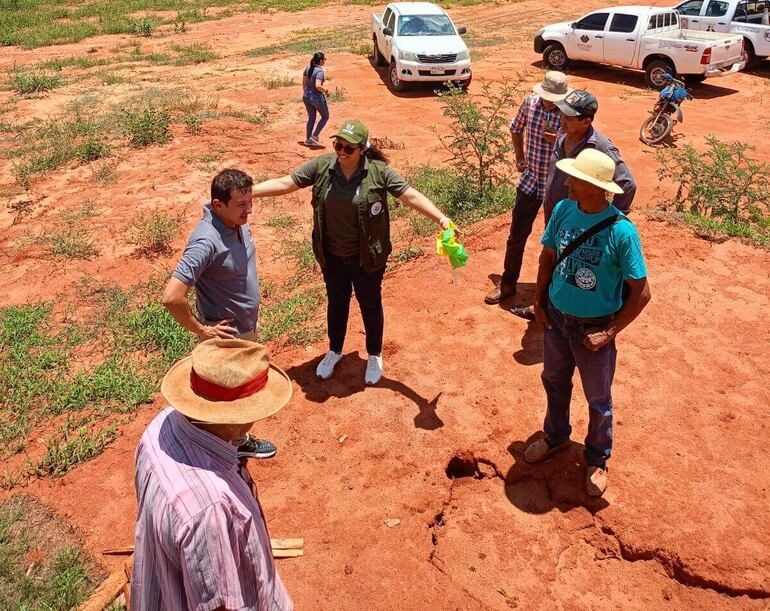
315 105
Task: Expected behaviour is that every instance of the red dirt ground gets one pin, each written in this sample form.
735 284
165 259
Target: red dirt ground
685 521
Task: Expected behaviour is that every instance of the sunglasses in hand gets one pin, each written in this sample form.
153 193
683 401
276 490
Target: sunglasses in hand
348 148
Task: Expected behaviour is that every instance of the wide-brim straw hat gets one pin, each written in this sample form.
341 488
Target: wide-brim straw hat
592 166
227 381
554 86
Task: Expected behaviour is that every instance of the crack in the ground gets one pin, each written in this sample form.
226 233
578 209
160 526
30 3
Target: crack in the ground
676 568
438 521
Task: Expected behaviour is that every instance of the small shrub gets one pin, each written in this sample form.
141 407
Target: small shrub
194 124
723 182
148 126
410 253
105 173
338 95
193 54
277 82
144 27
153 232
91 150
111 78
72 244
25 83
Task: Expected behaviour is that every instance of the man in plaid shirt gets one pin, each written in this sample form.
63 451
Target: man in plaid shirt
540 119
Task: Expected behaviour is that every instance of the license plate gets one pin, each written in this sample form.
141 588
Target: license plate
437 71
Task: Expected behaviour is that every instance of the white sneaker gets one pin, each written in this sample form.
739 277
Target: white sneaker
325 368
373 369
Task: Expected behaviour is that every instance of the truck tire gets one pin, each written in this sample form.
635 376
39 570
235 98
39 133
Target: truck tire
653 73
379 60
395 84
555 57
748 55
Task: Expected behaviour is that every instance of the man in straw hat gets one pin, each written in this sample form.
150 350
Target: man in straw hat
578 110
540 119
590 249
220 263
201 536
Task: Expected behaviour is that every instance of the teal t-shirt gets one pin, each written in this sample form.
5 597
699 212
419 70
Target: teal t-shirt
589 282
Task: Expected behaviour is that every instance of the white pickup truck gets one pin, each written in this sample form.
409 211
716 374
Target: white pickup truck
419 42
643 37
749 18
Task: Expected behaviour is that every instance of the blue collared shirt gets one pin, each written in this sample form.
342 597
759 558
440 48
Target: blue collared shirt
221 264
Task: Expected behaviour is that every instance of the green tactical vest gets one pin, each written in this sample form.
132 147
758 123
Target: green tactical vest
373 217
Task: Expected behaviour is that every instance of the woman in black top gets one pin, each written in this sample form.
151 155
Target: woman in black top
351 233
314 96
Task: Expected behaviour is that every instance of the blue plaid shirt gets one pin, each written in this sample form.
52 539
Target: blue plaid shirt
532 117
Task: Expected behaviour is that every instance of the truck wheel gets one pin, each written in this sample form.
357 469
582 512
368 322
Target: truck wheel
748 55
379 60
555 57
395 84
656 128
654 72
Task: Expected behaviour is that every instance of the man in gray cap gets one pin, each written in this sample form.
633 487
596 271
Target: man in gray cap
540 119
577 134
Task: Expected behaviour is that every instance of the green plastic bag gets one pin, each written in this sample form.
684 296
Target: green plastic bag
448 246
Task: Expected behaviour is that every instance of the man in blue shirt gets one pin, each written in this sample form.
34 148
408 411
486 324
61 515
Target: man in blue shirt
579 303
220 262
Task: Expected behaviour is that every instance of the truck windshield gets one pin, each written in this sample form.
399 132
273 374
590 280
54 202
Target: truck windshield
425 25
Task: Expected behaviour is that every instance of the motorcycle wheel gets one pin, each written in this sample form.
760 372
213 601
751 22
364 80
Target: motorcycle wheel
656 128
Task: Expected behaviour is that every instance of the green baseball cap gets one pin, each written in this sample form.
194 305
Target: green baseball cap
353 131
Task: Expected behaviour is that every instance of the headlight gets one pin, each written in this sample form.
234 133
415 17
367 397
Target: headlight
407 56
462 55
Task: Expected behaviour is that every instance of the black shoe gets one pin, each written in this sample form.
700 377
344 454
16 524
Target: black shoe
527 312
256 448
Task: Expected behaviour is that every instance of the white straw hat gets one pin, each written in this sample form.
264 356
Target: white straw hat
592 166
554 86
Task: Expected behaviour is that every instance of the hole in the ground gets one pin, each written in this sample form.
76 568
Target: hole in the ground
462 464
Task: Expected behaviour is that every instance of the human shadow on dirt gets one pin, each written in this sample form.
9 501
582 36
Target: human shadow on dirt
413 90
556 483
635 79
348 379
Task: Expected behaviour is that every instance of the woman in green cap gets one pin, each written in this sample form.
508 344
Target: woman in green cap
351 233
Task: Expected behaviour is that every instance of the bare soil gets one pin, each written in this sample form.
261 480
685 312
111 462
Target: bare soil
685 521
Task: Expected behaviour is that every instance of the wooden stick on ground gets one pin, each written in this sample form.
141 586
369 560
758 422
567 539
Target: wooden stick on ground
107 591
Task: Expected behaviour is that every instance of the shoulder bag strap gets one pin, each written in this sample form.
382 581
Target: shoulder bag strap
583 237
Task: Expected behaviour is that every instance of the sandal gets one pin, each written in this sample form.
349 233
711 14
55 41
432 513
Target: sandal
523 311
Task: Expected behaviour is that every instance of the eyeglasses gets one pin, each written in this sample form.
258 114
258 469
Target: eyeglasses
348 148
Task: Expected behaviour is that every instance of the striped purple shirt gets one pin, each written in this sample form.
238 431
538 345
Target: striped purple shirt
201 539
532 115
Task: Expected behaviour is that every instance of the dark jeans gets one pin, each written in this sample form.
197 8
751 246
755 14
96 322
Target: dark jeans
522 218
563 349
312 105
342 275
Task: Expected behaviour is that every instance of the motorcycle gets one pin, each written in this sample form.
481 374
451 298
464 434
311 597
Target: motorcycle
661 121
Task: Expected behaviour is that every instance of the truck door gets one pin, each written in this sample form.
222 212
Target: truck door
715 17
689 14
586 41
621 39
388 46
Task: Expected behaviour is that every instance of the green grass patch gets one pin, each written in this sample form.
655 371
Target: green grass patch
41 563
291 318
281 221
27 83
150 125
308 41
278 81
193 54
81 62
410 253
153 232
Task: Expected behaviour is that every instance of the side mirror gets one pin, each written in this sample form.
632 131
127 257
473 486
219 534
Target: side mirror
387 32
462 30
573 25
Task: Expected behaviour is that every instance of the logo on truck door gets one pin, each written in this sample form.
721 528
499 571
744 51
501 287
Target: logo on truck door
584 38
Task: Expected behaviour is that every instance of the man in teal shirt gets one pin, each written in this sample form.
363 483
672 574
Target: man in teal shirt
579 303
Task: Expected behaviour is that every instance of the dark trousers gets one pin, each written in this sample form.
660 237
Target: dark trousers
563 349
342 275
522 218
312 106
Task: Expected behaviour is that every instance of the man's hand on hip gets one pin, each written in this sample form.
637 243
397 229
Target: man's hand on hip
541 317
222 330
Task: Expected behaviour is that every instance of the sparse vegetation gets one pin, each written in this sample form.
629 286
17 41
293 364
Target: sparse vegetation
338 94
291 318
310 40
192 54
281 221
144 27
278 81
148 126
153 232
722 190
26 83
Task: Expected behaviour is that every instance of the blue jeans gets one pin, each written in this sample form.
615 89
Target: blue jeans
313 105
563 349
